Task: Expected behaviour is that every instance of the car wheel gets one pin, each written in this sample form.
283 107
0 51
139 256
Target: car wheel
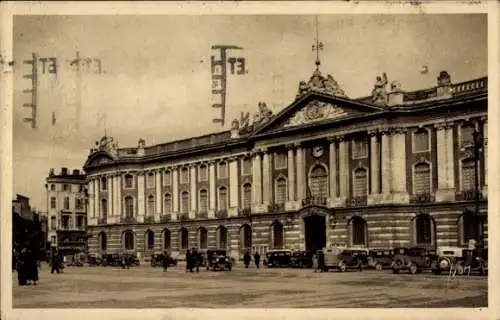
342 267
378 267
413 268
460 269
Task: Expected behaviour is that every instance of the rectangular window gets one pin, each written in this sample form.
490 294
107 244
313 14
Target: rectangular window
281 191
79 222
184 176
66 203
467 135
360 148
422 179
421 141
360 183
167 178
223 199
222 170
53 202
247 166
203 201
247 196
53 223
150 180
65 222
80 188
129 181
79 204
203 172
65 187
280 161
185 202
468 175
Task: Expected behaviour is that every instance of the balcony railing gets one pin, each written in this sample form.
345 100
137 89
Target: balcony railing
422 198
276 207
128 220
468 195
202 215
356 202
221 214
149 219
184 217
165 218
244 212
314 201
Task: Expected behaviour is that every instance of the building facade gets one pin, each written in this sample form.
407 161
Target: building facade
29 228
66 210
395 168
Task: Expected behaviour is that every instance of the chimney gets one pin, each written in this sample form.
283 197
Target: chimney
76 172
64 171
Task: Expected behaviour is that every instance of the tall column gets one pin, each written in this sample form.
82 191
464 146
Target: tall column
159 198
212 192
374 162
92 212
233 187
344 167
194 194
301 174
111 207
398 160
175 192
115 194
333 168
141 208
386 163
266 179
445 162
119 199
256 179
291 173
450 157
96 197
441 156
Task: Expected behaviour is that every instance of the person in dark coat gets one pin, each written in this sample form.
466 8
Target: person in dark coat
246 259
55 262
166 257
21 268
197 260
194 258
31 267
188 260
256 258
321 261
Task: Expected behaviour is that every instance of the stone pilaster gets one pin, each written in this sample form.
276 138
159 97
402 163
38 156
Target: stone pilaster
175 193
97 191
256 180
193 193
92 213
445 163
212 191
343 168
266 179
109 185
119 200
398 168
233 187
333 170
159 197
386 164
290 204
374 162
301 173
141 204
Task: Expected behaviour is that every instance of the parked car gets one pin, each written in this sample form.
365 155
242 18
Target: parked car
342 259
414 259
477 259
278 258
361 253
94 260
218 260
115 259
301 259
448 257
157 260
380 258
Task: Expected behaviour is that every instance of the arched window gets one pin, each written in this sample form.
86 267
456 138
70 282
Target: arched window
203 173
167 202
103 241
167 242
247 166
221 237
245 237
222 198
203 201
222 170
128 240
359 231
468 175
104 207
104 184
150 240
423 225
184 175
202 238
280 196
129 181
319 182
129 207
247 196
278 236
167 178
185 202
151 205
471 225
360 188
184 237
422 179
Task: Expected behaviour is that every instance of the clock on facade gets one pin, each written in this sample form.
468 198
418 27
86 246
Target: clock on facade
317 151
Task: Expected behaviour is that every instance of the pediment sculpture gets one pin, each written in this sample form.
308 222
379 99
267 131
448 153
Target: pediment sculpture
321 84
106 144
315 111
263 115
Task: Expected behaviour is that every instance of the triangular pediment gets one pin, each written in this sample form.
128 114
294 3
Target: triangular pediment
315 109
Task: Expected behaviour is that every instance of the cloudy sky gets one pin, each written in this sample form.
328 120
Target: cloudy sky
156 82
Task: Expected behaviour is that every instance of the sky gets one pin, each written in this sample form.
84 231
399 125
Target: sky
156 79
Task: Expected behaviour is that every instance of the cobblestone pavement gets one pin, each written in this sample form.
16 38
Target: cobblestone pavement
146 287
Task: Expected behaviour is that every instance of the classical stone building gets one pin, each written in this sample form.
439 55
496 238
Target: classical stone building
66 210
394 168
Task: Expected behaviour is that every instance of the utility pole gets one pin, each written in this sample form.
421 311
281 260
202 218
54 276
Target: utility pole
34 89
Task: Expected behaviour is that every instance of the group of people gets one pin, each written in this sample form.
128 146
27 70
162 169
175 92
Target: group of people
247 258
25 261
194 260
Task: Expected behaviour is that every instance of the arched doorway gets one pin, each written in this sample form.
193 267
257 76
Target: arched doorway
221 237
245 237
103 241
184 238
315 232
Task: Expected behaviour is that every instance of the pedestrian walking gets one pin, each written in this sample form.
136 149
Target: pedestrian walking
21 268
31 267
256 259
321 261
247 258
188 260
165 261
315 261
198 260
55 262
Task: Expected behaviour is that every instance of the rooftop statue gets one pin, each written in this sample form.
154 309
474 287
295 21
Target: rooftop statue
318 83
444 79
263 114
379 92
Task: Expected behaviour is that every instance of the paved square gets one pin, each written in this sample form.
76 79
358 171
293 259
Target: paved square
146 287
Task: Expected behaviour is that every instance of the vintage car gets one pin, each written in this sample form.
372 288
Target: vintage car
218 260
301 259
448 258
115 259
342 259
361 253
278 258
477 260
380 258
157 260
414 259
94 260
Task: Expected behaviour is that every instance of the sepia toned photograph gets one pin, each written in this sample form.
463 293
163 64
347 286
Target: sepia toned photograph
250 161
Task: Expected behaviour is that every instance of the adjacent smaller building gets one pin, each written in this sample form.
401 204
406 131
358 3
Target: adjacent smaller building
28 226
66 210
